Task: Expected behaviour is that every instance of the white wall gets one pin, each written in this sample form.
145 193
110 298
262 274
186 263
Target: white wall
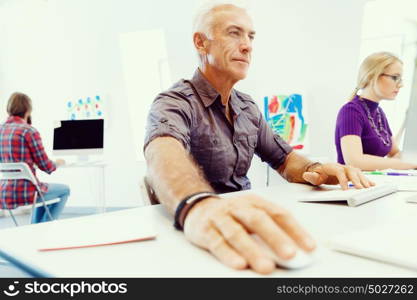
392 26
60 49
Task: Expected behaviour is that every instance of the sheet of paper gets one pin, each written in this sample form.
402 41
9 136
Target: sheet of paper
106 230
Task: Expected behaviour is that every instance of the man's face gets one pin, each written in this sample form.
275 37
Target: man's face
230 46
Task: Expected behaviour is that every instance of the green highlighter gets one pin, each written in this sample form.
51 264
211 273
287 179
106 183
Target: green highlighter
375 173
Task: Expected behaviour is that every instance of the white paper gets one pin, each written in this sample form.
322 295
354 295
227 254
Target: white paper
95 232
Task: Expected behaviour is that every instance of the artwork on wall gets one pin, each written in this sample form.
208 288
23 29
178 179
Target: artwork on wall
85 108
286 115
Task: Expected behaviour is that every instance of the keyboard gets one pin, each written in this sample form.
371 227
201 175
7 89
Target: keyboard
352 196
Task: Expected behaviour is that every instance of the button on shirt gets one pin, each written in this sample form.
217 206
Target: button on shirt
192 112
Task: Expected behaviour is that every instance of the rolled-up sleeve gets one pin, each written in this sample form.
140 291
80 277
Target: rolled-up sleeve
169 116
271 148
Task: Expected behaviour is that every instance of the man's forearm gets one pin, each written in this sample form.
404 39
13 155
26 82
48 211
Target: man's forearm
294 167
172 173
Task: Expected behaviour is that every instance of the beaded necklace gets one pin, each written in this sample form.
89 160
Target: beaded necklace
381 128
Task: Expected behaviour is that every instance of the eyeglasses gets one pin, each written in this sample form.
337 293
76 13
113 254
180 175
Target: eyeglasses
396 78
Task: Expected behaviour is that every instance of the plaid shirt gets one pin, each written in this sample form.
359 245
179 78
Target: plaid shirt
20 142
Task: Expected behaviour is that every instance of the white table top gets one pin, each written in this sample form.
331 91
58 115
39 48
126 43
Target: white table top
170 255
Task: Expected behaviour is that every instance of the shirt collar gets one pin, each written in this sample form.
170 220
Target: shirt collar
209 94
205 90
15 119
236 101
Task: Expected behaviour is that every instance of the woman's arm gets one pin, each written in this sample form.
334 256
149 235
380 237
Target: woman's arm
353 155
395 150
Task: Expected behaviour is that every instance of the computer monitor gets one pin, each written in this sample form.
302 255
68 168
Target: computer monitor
409 152
79 137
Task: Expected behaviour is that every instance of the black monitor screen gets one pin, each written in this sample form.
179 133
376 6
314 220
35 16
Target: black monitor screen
79 134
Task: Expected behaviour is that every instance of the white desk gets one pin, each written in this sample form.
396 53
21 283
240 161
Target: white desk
170 255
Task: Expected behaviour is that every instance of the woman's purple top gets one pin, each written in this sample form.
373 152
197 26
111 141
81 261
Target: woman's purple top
353 120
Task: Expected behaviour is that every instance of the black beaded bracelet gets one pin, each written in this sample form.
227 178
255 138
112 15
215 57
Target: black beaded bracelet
186 204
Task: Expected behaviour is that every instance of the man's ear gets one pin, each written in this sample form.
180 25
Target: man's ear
200 42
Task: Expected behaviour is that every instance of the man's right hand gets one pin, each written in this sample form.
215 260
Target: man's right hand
223 227
59 162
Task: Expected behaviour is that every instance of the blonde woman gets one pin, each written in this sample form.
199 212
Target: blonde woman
363 136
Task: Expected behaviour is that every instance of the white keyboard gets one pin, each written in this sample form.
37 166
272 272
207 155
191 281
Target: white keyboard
352 196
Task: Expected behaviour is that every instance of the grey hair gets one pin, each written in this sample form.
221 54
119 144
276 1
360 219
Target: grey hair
203 20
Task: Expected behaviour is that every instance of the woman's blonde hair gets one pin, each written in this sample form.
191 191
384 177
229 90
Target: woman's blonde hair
371 68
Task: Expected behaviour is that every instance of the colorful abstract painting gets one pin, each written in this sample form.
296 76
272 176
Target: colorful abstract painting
285 115
88 108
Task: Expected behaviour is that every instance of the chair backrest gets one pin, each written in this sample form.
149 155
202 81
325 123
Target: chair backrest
17 170
21 170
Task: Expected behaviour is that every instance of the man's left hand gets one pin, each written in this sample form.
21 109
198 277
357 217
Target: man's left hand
334 173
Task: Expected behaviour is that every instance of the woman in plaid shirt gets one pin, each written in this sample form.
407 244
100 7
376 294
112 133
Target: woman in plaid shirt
20 142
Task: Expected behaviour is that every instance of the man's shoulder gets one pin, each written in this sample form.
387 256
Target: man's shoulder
18 129
182 89
29 130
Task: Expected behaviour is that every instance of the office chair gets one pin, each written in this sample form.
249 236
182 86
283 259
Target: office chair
21 170
148 194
